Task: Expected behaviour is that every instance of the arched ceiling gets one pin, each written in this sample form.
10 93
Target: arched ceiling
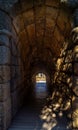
42 26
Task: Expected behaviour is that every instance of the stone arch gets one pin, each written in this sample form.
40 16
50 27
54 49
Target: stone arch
29 29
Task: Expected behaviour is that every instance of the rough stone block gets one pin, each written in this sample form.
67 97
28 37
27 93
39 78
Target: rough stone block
15 71
4 74
4 91
39 2
1 109
29 17
14 34
4 40
76 68
75 81
51 13
5 55
7 113
1 121
6 116
15 23
14 50
53 3
75 103
13 84
31 32
1 93
27 4
7 119
7 104
14 103
5 21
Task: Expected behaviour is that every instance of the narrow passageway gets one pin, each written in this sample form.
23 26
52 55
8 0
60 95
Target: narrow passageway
28 118
37 116
38 64
37 112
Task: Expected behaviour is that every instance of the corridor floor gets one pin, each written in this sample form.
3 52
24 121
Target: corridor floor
36 115
27 119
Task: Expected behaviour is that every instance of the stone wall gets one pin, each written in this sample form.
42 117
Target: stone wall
11 72
26 29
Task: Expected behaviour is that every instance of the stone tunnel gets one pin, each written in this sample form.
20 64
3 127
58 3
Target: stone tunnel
38 36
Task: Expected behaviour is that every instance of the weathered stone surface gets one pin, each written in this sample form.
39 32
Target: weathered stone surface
54 3
26 4
7 104
31 32
76 69
40 13
74 112
39 2
5 21
4 40
14 60
7 120
13 72
5 54
14 48
4 74
4 91
64 25
1 127
28 17
52 13
7 113
37 30
15 82
14 96
18 23
1 117
59 37
50 23
75 80
1 109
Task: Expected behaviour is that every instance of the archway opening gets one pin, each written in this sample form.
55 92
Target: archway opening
41 85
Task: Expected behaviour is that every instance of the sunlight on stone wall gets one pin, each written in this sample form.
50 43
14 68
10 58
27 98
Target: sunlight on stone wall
75 118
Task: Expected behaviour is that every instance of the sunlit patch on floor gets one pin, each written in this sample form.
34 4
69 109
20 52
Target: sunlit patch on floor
75 118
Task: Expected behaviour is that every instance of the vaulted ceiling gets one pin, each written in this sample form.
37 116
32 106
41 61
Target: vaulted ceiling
42 26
